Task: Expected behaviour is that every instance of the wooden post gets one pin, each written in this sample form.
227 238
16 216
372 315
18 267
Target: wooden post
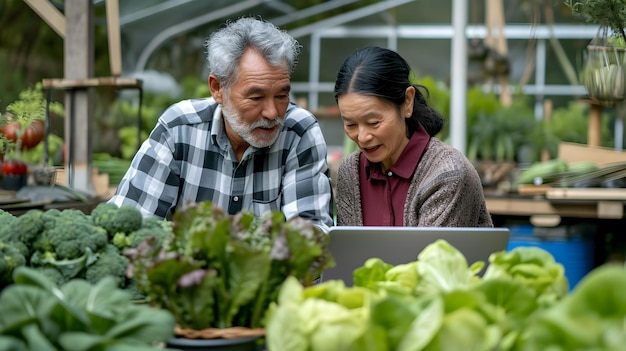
496 39
113 33
78 64
50 14
594 133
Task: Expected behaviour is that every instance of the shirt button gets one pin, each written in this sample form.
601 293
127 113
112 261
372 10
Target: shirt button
236 198
389 173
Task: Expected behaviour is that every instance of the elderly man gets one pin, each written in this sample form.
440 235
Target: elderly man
248 147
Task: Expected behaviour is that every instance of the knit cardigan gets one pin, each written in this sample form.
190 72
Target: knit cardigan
445 191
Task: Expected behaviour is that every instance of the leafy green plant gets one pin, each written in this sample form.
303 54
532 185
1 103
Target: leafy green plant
36 314
222 271
499 135
438 302
609 13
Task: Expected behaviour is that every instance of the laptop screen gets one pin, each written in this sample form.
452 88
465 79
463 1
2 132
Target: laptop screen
352 246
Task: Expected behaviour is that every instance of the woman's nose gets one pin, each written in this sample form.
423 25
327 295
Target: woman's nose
364 135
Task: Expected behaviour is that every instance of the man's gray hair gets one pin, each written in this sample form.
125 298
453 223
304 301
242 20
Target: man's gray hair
226 46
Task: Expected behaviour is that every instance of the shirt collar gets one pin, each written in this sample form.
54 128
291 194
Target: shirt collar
409 158
218 131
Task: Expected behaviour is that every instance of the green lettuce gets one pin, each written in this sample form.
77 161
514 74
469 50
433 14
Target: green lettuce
439 302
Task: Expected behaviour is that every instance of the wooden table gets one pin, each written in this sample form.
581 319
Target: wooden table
541 205
20 206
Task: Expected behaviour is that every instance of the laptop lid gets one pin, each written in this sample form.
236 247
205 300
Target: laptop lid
352 246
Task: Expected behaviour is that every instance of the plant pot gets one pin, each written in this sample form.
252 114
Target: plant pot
604 73
247 343
14 182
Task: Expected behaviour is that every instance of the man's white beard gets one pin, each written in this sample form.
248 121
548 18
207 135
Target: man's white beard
246 131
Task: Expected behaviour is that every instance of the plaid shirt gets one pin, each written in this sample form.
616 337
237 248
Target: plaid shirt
188 158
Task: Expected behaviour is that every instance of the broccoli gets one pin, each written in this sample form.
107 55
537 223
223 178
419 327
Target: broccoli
110 263
157 222
21 231
49 217
151 226
10 258
69 242
6 219
114 219
29 225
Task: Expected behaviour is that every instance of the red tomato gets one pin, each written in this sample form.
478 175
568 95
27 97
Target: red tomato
32 136
14 167
10 130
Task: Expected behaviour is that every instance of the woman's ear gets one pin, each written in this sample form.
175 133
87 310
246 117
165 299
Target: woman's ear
409 101
216 88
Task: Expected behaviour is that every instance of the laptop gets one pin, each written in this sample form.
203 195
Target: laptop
352 246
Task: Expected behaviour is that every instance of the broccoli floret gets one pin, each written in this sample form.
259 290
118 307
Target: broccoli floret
114 219
7 223
49 217
6 218
21 231
10 258
151 226
28 226
110 263
138 236
103 214
69 234
121 240
156 223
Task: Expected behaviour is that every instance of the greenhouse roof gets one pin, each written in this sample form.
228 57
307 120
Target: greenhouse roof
147 24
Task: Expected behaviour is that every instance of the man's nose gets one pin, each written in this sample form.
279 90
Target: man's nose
270 111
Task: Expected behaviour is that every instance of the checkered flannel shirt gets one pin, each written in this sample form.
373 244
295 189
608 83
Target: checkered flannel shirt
188 158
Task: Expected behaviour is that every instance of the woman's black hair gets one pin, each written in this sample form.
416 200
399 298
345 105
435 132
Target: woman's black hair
381 72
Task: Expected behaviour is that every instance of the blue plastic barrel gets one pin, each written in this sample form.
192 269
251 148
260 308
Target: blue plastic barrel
575 253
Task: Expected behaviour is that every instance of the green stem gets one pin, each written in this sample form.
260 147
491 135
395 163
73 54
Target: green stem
259 306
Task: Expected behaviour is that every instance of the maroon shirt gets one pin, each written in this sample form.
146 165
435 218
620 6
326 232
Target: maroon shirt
384 195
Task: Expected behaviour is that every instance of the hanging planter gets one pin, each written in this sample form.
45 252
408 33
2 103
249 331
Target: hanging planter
603 74
604 71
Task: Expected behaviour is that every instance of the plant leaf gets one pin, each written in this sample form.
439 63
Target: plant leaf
80 341
21 305
140 326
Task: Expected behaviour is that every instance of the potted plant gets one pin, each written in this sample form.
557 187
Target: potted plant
603 73
219 273
22 127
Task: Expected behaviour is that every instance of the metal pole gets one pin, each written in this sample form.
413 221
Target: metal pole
458 76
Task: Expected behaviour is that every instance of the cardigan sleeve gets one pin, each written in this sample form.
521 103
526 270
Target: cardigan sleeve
348 195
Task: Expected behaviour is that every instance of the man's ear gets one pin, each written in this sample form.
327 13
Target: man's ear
216 88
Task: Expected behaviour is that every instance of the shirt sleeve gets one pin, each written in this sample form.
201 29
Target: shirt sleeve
307 190
151 183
